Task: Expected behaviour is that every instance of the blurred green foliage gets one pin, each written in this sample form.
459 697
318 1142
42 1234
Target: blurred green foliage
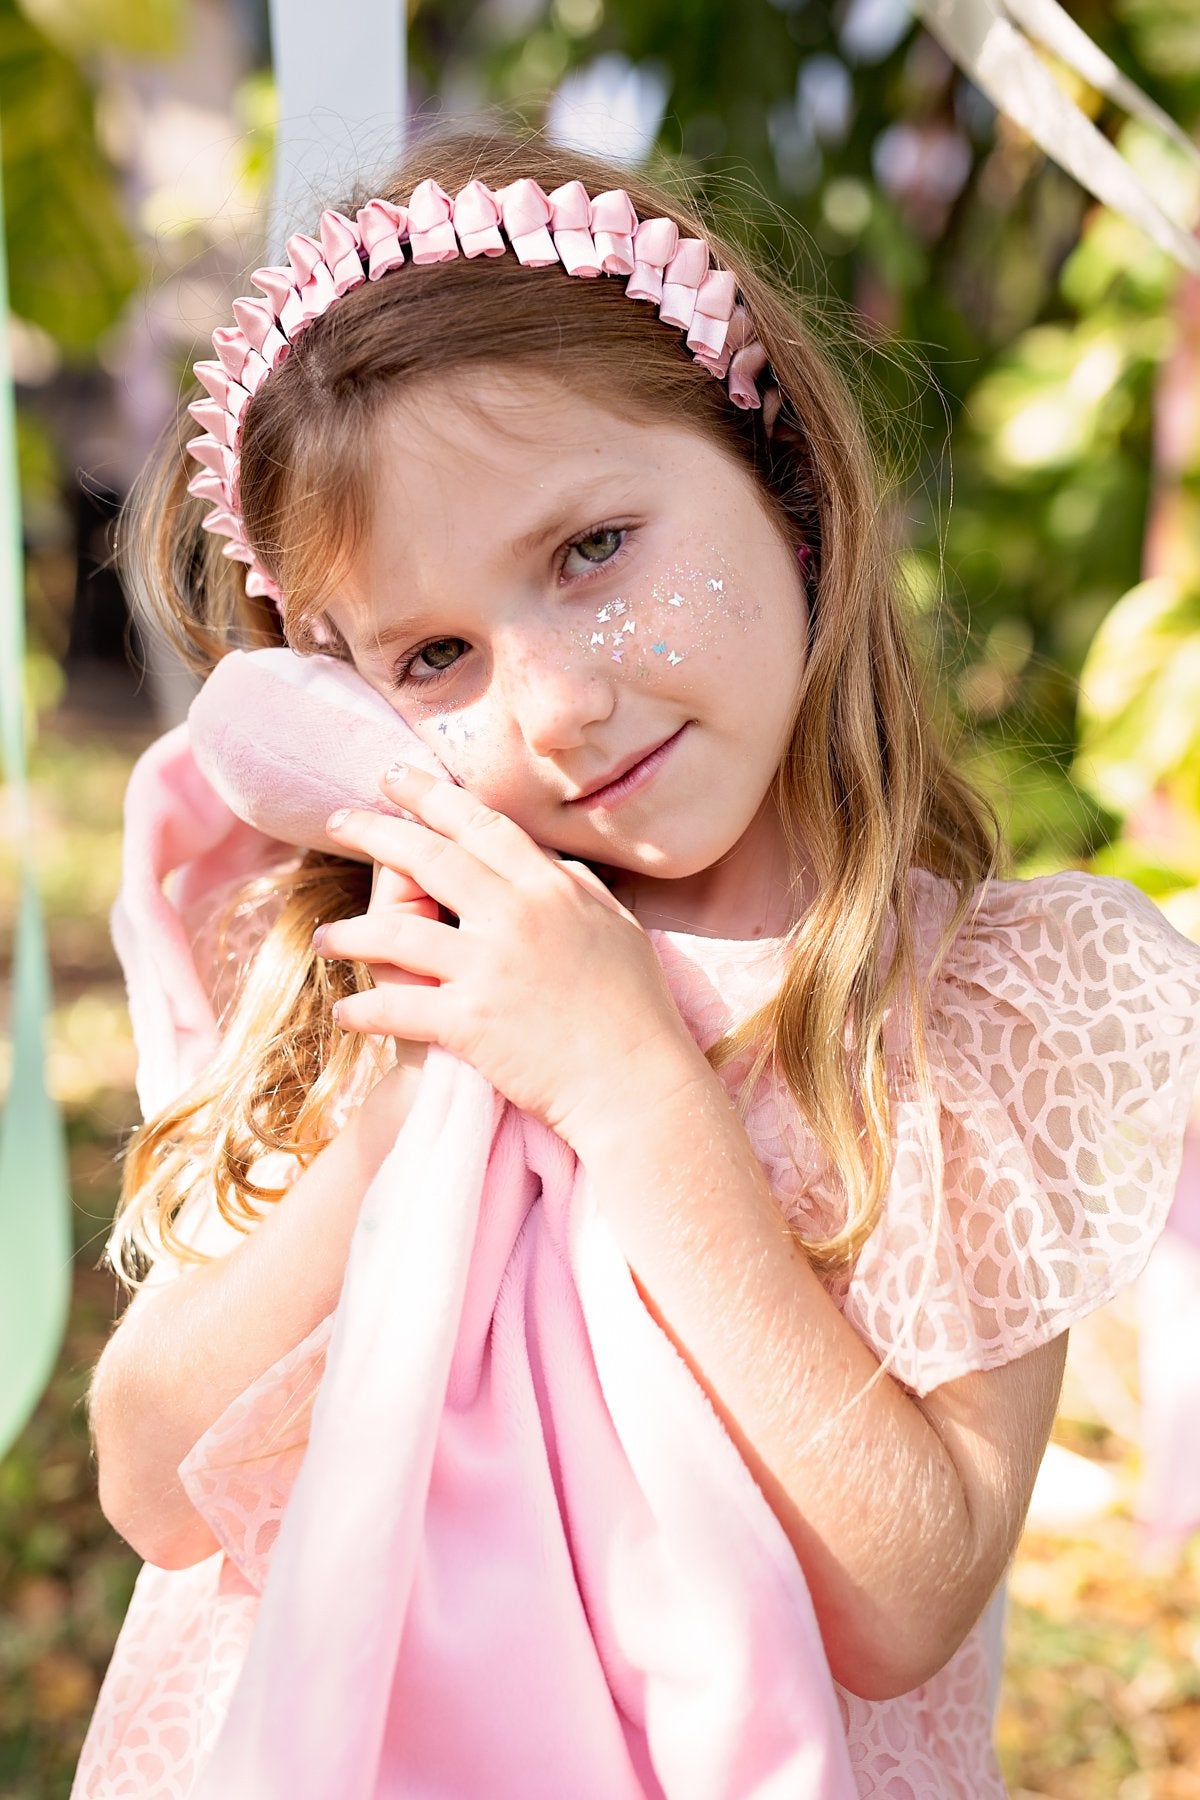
65 1577
72 263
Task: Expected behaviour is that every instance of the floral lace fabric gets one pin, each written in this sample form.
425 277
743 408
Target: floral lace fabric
1063 1035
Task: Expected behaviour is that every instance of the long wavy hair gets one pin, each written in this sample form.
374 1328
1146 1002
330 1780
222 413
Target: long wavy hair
866 791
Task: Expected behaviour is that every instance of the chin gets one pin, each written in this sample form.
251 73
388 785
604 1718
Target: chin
670 863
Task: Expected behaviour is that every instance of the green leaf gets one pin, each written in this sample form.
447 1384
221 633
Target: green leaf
1138 719
1129 862
71 257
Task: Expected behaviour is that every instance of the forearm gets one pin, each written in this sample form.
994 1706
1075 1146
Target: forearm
873 1506
184 1351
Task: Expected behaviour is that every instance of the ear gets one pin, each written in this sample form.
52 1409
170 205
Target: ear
286 739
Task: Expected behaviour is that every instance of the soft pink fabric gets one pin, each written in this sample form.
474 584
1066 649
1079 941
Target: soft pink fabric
330 734
1168 1501
175 825
520 1555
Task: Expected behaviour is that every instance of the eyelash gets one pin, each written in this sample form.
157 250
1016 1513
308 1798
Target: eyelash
402 673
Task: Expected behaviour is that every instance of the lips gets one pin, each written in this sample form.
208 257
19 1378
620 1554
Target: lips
622 768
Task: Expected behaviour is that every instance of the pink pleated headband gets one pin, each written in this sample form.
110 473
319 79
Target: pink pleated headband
600 236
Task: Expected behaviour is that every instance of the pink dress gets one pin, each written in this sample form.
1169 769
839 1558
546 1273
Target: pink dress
1064 1045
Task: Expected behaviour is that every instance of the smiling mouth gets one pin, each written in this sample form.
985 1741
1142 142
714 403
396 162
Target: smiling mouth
618 786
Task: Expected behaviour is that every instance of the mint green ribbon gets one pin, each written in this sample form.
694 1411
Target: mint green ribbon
35 1217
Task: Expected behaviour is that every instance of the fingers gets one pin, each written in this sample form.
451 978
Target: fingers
441 869
405 940
390 888
392 895
388 975
456 814
411 1013
458 850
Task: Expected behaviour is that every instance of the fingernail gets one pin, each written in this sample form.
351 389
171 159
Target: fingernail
318 936
337 1012
396 774
337 818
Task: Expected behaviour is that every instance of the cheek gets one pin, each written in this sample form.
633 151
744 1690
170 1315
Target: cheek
472 744
686 614
458 735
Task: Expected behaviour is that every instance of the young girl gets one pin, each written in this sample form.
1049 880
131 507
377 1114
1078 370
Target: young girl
519 448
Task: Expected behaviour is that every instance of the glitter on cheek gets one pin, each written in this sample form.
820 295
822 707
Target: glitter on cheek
448 731
707 607
686 610
691 612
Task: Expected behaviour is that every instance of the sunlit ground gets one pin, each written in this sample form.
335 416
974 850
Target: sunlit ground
1102 1695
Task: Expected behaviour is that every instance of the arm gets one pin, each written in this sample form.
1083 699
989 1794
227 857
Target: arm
184 1351
905 1512
902 1513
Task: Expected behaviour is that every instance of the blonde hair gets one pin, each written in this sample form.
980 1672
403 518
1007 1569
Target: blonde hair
866 790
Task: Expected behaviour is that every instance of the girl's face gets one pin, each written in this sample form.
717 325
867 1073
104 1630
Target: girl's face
598 628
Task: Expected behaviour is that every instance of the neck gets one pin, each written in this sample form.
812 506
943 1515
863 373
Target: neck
748 894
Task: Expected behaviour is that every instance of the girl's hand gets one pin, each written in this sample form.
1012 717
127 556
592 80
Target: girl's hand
395 895
547 985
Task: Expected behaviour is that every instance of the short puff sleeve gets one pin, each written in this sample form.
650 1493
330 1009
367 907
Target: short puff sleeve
1063 1035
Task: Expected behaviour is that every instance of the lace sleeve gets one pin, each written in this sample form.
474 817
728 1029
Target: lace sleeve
239 1476
1064 1041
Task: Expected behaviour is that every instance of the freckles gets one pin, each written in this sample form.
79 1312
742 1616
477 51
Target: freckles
687 610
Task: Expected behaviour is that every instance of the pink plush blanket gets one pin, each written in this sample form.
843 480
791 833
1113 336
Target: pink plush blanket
521 1555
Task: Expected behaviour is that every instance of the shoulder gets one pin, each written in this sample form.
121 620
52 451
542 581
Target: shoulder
1072 907
1089 960
1063 1039
1075 977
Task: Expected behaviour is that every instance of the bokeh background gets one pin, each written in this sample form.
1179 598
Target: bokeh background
1036 366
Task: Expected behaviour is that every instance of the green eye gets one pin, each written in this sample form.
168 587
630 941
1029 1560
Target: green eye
429 662
442 652
595 548
598 546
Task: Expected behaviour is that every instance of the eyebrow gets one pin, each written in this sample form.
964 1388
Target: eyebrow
552 526
379 641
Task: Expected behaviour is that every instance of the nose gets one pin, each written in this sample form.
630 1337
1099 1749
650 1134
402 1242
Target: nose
555 691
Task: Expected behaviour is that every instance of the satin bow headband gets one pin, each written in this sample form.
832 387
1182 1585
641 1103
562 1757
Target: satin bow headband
589 237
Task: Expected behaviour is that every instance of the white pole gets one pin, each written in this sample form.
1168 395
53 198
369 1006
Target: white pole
342 104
